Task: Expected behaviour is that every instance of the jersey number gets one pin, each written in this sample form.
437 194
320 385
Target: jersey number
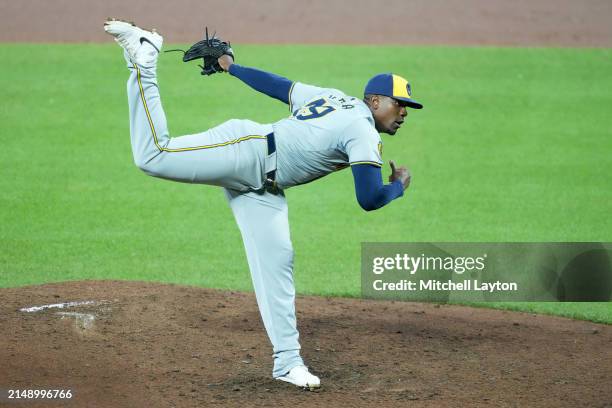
314 109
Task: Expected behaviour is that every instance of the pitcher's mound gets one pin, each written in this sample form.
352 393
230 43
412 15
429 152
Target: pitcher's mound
134 344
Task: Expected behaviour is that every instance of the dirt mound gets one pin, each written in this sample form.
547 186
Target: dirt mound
133 344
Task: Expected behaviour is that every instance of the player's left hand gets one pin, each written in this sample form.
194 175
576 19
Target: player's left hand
402 174
225 62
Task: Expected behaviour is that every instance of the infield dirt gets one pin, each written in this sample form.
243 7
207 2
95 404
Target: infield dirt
153 345
570 23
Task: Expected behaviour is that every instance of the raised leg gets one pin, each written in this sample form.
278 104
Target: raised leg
231 155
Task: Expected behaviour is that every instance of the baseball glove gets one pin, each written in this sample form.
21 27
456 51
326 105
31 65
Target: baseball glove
209 49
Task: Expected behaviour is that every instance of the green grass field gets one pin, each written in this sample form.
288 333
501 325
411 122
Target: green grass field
513 145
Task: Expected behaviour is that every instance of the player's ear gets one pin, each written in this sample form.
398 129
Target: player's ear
375 101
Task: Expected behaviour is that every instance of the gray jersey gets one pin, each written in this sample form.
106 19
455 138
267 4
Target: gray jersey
327 131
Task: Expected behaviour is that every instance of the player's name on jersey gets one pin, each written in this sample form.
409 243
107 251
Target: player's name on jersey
347 102
436 285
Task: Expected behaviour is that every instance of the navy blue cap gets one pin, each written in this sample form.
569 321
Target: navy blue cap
393 86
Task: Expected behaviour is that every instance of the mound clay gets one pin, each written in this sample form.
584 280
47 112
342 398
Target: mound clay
143 344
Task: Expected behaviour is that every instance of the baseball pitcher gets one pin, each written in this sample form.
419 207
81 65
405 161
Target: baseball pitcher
326 131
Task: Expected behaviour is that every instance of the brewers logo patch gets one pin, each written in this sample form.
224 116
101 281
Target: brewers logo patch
380 148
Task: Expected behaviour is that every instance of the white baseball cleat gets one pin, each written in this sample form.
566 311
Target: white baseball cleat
142 46
301 377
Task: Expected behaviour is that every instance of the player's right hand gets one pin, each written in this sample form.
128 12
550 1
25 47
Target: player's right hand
402 174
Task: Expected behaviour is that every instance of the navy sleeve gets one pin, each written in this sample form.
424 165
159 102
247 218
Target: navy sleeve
369 188
272 85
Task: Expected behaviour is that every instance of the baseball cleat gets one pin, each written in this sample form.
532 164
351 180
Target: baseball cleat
301 377
142 46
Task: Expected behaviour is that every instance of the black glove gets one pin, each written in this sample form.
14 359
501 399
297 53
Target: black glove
209 49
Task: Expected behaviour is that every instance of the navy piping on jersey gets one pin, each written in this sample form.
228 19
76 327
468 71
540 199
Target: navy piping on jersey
367 162
289 97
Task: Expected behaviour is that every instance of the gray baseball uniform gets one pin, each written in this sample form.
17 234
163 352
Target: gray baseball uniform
326 131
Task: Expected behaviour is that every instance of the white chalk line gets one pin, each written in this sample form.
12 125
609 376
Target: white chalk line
60 305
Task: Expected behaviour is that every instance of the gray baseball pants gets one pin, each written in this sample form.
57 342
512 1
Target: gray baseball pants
232 155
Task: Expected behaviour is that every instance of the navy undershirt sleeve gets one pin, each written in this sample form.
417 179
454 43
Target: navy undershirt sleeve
369 188
272 85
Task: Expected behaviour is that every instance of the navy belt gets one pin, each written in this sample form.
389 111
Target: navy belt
271 175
